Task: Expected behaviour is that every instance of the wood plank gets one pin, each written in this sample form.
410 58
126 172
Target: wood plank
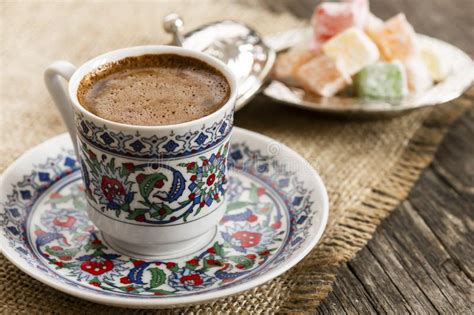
420 259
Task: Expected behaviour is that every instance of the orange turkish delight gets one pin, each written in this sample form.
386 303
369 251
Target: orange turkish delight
288 63
396 39
322 76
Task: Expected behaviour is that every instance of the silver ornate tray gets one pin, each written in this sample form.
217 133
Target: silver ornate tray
459 79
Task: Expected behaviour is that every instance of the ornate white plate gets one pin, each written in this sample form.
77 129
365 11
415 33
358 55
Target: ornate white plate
459 79
277 211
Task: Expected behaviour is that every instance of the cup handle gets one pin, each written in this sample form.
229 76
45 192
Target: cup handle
59 94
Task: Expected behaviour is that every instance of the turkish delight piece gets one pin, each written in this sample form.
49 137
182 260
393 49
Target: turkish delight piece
396 39
322 76
382 81
435 61
288 63
352 50
373 25
418 76
331 18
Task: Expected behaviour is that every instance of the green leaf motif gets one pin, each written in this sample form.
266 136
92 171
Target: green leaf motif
59 200
253 193
149 182
78 203
158 277
247 262
218 249
112 165
65 252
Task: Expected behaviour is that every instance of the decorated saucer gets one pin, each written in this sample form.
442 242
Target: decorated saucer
276 213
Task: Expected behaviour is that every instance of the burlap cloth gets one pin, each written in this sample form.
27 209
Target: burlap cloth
368 166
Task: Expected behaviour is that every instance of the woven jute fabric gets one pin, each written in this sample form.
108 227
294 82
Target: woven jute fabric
368 166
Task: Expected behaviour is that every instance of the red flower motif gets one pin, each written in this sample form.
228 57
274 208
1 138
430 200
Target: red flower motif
213 262
140 178
192 196
261 191
129 289
159 184
96 242
92 155
252 218
191 165
218 155
55 195
56 248
97 268
95 283
58 263
170 265
39 232
264 253
223 179
276 225
193 262
251 256
140 218
216 196
129 166
137 263
211 179
195 279
65 258
205 162
193 178
162 211
111 187
247 239
65 222
202 204
240 266
125 280
211 250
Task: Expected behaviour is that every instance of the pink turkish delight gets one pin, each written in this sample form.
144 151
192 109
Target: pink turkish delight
321 76
331 18
396 39
288 63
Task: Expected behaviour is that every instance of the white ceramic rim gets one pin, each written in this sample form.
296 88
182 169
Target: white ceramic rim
122 53
319 221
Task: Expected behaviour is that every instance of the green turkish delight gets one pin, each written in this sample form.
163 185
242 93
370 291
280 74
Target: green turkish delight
382 81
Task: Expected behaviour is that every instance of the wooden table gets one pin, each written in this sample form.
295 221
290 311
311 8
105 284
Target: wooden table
420 259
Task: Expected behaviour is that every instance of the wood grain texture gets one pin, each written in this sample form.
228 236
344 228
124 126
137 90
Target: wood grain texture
420 259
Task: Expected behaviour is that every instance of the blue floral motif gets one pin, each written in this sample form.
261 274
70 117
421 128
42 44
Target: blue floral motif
262 228
136 145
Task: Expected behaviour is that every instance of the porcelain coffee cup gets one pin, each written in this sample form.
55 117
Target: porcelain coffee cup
152 191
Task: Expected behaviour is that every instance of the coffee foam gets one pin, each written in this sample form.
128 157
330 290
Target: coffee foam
157 89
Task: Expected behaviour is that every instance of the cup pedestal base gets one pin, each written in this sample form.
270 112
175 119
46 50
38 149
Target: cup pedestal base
162 251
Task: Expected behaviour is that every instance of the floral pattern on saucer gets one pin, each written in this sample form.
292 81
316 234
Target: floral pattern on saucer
269 216
251 232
